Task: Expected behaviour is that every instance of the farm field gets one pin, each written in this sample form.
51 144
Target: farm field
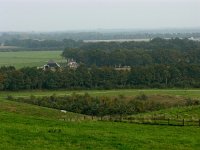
21 59
192 93
26 126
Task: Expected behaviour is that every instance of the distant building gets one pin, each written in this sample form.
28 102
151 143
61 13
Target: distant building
51 65
122 68
72 64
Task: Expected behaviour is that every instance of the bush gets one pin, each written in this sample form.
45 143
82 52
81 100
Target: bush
100 106
10 97
142 97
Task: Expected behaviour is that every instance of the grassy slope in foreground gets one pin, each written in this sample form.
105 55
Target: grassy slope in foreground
24 129
35 111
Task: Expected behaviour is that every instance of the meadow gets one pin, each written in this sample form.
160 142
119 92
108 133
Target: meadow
25 126
191 93
20 59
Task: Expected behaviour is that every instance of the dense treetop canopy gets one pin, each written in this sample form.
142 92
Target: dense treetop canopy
156 51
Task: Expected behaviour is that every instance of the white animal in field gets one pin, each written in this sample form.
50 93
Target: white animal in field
64 111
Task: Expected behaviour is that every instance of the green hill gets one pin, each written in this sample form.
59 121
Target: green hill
35 111
26 126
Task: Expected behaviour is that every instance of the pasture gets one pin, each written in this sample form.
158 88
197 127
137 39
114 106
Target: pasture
192 93
24 126
20 59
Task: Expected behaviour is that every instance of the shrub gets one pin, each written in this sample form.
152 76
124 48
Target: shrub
142 97
10 97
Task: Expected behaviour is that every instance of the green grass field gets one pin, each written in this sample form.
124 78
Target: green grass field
33 127
193 93
28 58
25 126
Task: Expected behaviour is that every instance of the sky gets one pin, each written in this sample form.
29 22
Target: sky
64 15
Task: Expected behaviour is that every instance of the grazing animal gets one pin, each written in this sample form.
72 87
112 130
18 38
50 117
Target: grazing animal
64 111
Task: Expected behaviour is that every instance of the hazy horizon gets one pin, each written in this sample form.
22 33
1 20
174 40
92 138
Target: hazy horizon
72 15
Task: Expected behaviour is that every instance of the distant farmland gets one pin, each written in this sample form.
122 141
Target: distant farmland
28 58
190 93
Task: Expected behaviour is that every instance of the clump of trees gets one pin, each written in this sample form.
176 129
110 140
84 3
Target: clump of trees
156 51
151 76
101 106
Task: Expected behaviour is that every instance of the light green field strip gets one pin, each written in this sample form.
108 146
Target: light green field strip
28 58
193 93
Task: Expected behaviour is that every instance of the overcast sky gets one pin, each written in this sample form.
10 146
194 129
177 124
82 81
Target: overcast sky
60 15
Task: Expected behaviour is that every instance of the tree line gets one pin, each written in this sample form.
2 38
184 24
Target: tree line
156 51
102 106
152 76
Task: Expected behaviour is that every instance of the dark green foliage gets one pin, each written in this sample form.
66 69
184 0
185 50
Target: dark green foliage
153 76
103 106
157 51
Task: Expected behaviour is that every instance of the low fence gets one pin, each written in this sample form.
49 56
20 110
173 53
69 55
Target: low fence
150 121
171 122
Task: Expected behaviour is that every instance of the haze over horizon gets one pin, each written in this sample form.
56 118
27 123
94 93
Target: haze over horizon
65 15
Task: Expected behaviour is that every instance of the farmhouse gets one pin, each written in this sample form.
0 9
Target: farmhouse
72 64
122 68
52 65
